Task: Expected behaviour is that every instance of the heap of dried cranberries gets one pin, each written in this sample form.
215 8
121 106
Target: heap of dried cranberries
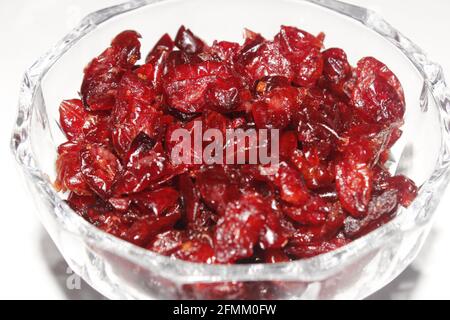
337 126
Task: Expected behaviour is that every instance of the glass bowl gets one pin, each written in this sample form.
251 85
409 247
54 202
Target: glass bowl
118 269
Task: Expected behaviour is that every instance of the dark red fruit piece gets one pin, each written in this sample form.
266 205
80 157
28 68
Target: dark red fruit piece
288 144
143 230
188 42
96 128
380 208
275 110
336 71
216 189
313 213
318 121
406 189
167 242
314 249
274 235
275 256
227 95
195 251
378 95
225 50
144 164
190 197
302 50
290 184
68 170
100 168
133 113
186 85
164 44
238 231
103 74
259 58
72 117
317 173
354 186
157 202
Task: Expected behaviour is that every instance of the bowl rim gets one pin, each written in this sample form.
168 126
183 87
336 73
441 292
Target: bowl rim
312 269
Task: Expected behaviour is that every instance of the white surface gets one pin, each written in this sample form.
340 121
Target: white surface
32 268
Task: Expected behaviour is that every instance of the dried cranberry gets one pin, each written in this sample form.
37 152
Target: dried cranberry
100 168
379 208
238 231
188 42
302 50
378 95
103 74
68 169
336 127
336 71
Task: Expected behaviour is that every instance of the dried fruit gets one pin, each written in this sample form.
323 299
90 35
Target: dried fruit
336 127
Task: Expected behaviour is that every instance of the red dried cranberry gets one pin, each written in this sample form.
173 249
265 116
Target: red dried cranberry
188 42
378 95
238 231
68 170
303 53
100 168
103 74
336 71
336 125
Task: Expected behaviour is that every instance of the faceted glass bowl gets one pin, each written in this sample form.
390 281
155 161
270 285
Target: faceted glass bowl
119 269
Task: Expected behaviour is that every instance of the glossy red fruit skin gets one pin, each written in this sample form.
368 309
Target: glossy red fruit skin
238 231
354 186
100 168
379 211
195 251
331 186
378 95
103 74
68 170
167 242
157 202
186 85
188 42
143 230
145 163
260 58
72 117
302 50
216 189
336 71
275 109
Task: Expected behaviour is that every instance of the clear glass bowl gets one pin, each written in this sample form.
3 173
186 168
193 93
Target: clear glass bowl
119 269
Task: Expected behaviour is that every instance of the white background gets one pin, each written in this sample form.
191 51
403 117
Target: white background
30 265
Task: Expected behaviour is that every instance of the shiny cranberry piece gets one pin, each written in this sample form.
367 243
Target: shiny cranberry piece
302 50
275 110
145 163
336 71
103 74
238 231
188 42
72 118
379 209
330 186
186 85
68 170
100 168
378 95
259 58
